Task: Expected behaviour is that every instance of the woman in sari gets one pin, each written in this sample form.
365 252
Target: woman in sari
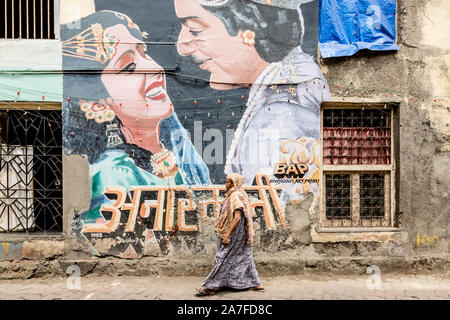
234 266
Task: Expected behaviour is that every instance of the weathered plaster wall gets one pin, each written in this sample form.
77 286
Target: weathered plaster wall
32 67
417 77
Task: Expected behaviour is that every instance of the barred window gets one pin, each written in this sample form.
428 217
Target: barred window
358 166
30 171
356 136
27 19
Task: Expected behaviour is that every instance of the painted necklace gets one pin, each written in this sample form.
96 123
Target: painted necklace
164 163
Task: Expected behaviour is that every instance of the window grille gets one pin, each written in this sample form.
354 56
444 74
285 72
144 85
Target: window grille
31 171
358 167
356 136
371 195
338 196
27 19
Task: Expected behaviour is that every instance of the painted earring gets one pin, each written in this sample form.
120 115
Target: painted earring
113 136
99 112
248 37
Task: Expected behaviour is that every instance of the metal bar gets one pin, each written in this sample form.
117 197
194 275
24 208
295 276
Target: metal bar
34 19
6 19
56 24
20 19
45 174
28 24
355 202
42 19
48 19
26 176
12 7
7 170
387 200
392 172
7 183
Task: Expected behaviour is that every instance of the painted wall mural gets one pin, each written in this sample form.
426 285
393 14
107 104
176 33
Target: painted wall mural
167 97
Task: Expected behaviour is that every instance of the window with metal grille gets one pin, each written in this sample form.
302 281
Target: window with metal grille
30 171
27 19
356 136
358 166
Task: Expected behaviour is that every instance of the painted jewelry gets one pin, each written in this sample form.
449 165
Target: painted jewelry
100 113
164 163
248 37
113 135
93 44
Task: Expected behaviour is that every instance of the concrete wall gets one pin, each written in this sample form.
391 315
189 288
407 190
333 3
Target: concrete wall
31 67
415 77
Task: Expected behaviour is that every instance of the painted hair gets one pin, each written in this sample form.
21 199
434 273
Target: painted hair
277 30
75 64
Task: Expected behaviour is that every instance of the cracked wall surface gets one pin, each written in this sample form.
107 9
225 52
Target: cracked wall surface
416 77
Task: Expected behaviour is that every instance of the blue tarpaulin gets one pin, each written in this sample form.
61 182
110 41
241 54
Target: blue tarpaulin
347 26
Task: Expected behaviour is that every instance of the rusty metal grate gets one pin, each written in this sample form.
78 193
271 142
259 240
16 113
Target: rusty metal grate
359 197
356 136
27 19
31 171
371 196
338 204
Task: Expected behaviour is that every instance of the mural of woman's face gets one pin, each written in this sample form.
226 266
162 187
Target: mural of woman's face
135 82
204 37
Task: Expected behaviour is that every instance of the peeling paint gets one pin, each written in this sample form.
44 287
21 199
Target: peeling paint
11 251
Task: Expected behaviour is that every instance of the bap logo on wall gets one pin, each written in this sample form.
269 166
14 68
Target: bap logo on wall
291 170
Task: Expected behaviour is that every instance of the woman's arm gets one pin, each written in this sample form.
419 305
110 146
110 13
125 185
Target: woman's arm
237 214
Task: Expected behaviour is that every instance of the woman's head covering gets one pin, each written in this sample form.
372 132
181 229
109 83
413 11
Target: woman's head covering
235 199
237 179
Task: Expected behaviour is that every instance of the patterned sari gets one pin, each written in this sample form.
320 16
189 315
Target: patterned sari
234 266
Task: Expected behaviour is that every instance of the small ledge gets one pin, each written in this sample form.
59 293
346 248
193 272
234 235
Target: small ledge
358 235
19 237
354 230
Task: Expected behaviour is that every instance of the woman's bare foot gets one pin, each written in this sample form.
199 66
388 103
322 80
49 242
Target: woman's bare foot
205 292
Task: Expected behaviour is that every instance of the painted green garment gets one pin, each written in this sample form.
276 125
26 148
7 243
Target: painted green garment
116 168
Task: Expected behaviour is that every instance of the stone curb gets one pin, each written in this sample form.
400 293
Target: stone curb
26 269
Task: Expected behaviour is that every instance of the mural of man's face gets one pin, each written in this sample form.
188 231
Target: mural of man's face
204 37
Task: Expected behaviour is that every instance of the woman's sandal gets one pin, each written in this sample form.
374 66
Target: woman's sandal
258 289
201 292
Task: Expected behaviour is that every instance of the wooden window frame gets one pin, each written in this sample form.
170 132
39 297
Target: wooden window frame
354 223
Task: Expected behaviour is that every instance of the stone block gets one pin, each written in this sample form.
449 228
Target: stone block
43 249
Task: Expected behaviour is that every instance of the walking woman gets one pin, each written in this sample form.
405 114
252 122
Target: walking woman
234 266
